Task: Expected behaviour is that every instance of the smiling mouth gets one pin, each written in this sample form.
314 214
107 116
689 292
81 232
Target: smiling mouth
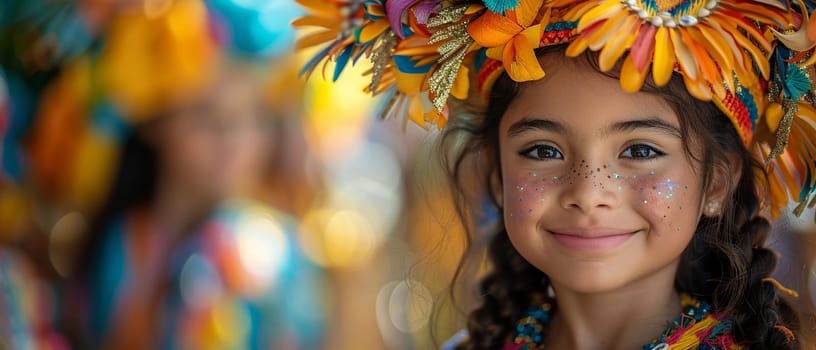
590 242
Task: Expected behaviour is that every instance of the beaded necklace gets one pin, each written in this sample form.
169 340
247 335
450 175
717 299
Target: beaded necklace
696 328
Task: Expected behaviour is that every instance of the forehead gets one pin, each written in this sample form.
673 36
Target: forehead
576 94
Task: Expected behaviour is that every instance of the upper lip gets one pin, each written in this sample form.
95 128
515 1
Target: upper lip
592 232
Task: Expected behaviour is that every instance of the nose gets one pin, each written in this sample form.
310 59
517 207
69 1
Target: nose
587 190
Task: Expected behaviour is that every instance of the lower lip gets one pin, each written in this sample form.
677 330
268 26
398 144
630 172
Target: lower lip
591 243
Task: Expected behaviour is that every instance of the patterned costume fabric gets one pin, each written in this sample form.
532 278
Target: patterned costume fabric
696 328
210 291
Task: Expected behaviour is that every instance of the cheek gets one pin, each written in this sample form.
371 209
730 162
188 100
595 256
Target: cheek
667 203
524 194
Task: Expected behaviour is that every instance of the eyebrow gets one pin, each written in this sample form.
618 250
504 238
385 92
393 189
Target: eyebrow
528 124
650 123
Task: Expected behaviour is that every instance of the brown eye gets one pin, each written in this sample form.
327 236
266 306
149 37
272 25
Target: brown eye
640 152
542 152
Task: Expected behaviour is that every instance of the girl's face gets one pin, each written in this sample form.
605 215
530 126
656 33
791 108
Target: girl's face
597 189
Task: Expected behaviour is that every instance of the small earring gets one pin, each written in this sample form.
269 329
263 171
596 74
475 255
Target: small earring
713 207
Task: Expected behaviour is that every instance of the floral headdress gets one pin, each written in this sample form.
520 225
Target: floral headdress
753 58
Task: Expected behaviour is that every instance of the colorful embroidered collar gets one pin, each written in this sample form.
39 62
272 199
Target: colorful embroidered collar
696 328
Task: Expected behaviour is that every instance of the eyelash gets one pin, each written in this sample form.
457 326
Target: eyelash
527 152
642 147
556 154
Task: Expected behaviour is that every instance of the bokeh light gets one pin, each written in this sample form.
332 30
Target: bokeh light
410 306
403 307
337 238
262 247
369 180
65 234
199 282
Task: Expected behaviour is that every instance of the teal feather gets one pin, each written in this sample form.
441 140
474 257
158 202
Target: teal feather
501 6
797 82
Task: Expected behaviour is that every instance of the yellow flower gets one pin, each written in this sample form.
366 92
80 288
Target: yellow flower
709 41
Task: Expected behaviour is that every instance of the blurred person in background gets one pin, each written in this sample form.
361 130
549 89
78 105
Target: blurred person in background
151 133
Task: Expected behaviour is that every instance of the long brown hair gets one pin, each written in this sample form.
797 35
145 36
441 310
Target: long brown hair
726 261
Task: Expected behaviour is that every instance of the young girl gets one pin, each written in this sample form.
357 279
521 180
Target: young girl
630 148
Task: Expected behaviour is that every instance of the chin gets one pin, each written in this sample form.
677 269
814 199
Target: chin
587 284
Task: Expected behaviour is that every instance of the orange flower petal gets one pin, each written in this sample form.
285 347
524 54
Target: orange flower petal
416 51
683 55
607 31
631 79
461 85
409 84
748 44
711 72
415 112
697 88
520 60
315 21
761 13
317 38
527 11
729 40
491 29
496 53
605 10
811 29
617 45
663 61
372 30
578 46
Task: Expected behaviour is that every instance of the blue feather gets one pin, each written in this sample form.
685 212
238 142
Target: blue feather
406 65
342 60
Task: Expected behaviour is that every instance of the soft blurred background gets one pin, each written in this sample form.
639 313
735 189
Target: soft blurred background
167 180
